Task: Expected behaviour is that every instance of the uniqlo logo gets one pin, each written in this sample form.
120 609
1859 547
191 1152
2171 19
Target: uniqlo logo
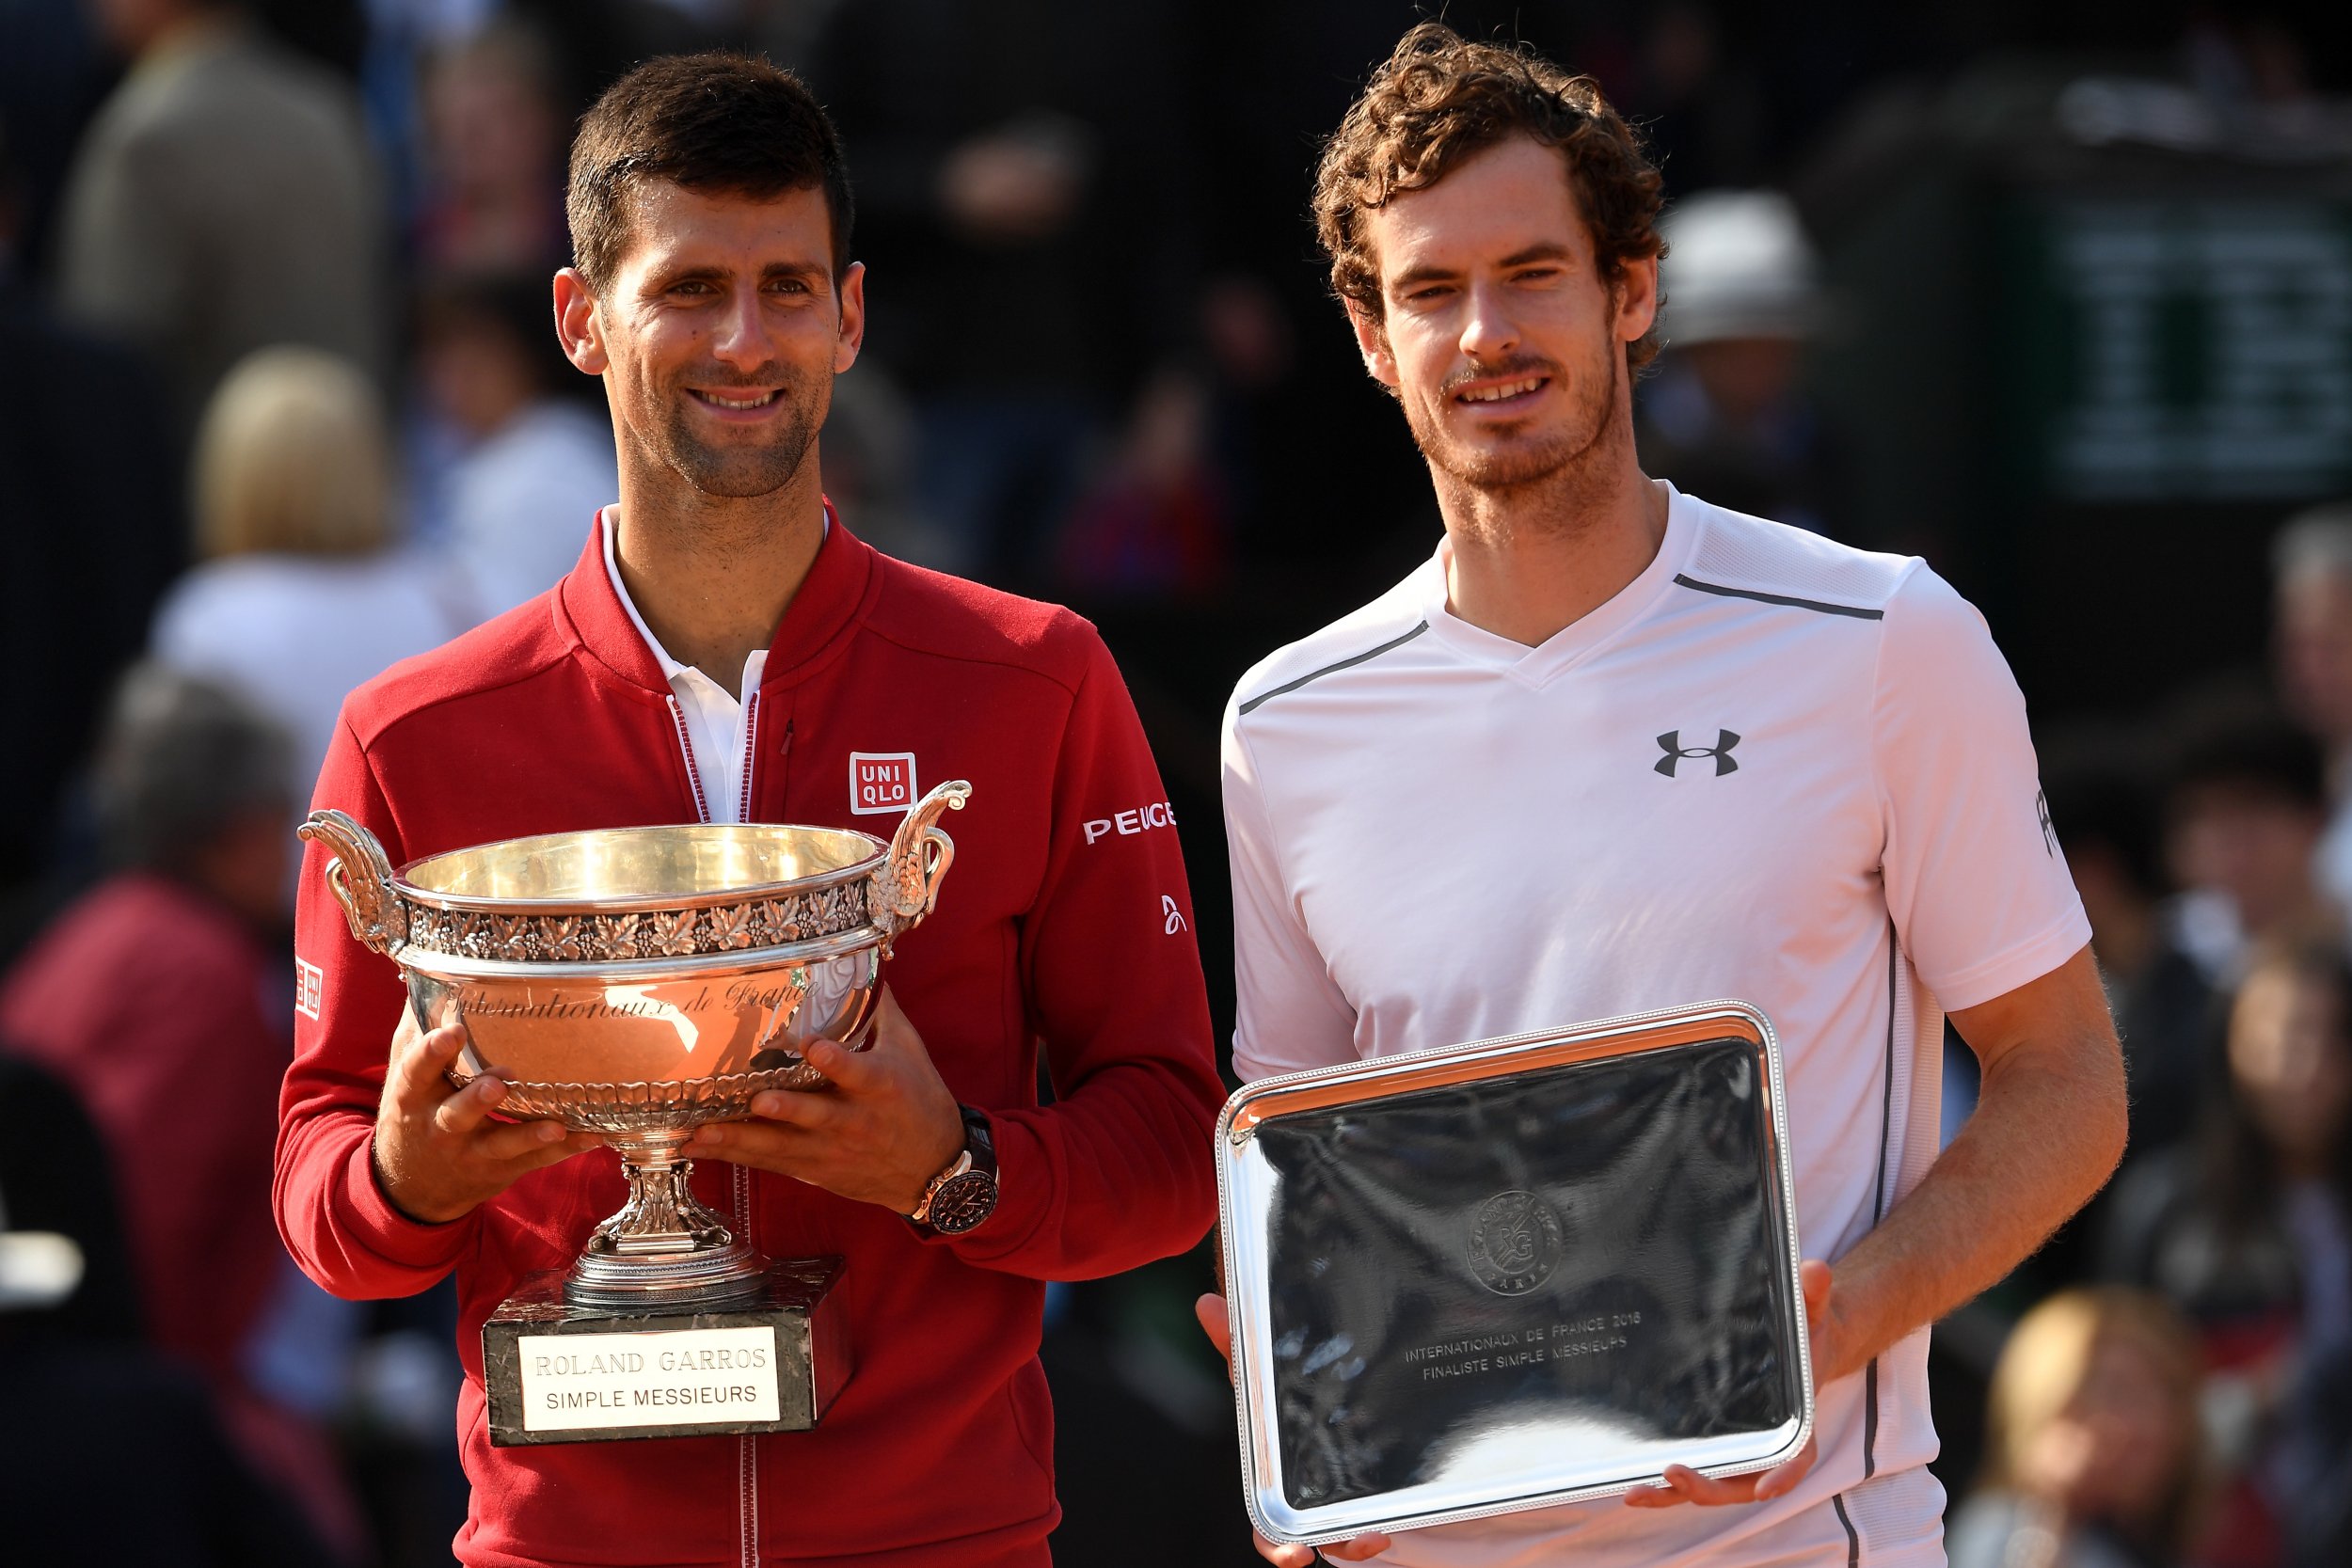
882 781
310 982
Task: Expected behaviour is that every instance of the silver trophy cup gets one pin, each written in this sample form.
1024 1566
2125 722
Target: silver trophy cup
639 982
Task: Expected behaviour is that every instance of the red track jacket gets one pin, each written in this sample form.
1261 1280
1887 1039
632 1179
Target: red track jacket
1064 923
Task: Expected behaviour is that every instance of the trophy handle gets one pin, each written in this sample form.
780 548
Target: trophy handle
362 880
907 884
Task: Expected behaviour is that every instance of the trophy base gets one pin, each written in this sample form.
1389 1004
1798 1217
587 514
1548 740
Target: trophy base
771 1360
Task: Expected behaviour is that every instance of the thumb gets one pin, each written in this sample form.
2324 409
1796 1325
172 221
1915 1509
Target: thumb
856 1070
1813 1277
1210 1310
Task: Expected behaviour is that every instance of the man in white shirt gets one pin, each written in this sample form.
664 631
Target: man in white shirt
1613 748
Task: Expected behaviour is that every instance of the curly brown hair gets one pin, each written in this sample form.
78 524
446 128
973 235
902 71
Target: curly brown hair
1441 99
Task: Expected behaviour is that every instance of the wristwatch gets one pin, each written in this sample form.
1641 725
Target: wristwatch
961 1197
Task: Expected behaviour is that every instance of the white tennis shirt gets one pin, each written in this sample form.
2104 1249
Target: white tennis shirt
1772 769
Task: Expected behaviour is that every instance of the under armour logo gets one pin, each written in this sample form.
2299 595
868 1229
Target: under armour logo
1671 743
1175 917
2049 830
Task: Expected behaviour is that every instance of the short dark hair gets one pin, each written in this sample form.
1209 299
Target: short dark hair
714 122
181 760
2241 741
2102 781
1441 99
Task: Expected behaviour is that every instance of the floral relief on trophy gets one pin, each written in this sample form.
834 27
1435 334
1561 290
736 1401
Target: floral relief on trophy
658 933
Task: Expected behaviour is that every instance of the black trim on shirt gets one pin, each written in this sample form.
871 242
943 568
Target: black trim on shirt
1856 611
1878 1201
1252 703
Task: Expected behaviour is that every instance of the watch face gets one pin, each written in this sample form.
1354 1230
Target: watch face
961 1202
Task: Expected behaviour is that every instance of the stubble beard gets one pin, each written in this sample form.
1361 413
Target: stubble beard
741 472
1565 459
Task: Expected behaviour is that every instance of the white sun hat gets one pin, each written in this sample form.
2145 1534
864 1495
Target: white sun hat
1739 265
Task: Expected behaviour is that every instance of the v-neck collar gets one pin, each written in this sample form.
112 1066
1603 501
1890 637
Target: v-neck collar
1572 643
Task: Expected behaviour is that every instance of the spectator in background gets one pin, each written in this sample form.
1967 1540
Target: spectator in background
225 198
493 200
523 495
150 997
2094 1453
2250 1231
1023 200
2102 789
1723 416
2246 801
1155 525
299 597
91 526
2311 587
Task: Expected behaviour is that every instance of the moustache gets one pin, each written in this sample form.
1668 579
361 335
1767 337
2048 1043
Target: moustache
716 378
1517 368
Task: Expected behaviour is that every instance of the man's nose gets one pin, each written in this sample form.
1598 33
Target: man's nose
741 337
1489 329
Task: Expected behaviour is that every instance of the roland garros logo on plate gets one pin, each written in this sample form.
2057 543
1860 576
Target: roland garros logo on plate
1515 1242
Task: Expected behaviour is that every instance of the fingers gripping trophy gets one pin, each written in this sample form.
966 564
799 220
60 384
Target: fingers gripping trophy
635 984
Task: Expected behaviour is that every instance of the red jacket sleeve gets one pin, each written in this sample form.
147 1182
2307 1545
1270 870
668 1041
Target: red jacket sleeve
1117 1171
335 1219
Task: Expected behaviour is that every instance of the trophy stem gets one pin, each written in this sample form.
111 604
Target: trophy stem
665 1245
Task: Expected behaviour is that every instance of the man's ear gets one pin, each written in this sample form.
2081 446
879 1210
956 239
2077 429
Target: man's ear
852 336
1372 341
1636 288
575 325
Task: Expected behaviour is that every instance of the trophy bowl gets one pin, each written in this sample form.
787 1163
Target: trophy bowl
639 982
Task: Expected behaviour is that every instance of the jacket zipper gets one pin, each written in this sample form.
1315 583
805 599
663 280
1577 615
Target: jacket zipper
751 750
686 750
747 1446
746 1451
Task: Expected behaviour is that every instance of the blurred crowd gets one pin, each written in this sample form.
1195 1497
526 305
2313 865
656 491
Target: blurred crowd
283 406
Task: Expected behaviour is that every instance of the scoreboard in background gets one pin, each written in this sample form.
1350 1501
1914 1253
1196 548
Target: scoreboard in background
2203 348
2089 375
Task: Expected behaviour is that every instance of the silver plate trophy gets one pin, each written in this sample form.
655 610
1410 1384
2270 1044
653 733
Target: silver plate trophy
638 983
1512 1274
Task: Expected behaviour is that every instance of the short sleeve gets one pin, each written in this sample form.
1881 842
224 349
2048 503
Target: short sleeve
1980 892
1289 1015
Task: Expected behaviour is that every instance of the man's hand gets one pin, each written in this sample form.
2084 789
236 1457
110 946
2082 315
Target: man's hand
1831 1351
437 1154
878 1135
1210 1309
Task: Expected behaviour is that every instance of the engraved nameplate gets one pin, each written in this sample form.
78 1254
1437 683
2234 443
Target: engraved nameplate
772 1361
686 1377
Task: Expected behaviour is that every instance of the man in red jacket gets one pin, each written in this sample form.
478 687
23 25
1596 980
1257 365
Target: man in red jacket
726 650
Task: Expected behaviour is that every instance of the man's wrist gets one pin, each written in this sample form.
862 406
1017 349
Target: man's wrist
963 1195
948 1147
392 1200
